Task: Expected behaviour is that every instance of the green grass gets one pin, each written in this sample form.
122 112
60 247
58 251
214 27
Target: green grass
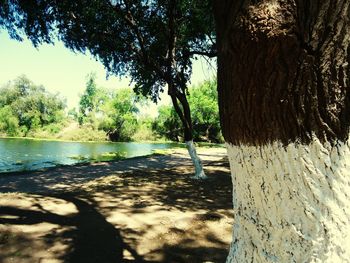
210 145
103 157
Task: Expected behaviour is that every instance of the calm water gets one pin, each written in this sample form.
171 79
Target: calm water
25 154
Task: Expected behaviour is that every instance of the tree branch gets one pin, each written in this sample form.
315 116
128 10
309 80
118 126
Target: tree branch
142 52
210 54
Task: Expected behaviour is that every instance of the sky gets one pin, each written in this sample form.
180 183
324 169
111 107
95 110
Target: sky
60 70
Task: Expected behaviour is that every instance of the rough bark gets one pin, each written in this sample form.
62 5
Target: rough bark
283 85
283 70
291 203
184 114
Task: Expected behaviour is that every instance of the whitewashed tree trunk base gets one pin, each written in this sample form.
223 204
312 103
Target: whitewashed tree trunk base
199 172
291 203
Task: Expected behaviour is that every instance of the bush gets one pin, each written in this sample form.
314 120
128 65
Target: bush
83 133
27 108
8 122
144 131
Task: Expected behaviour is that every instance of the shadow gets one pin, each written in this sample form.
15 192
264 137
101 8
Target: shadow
63 177
181 254
93 239
173 189
174 195
155 212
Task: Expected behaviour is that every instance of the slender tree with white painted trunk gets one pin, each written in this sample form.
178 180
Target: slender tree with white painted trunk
284 98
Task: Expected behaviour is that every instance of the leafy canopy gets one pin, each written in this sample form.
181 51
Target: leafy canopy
151 41
114 112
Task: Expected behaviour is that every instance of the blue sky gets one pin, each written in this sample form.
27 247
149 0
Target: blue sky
60 69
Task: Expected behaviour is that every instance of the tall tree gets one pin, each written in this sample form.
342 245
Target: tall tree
120 121
283 69
88 100
283 81
151 41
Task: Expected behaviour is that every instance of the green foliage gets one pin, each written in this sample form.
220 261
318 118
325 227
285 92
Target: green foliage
153 42
115 113
29 110
203 101
88 101
144 130
111 112
103 157
73 114
8 122
26 107
128 37
168 124
120 122
204 114
91 103
83 133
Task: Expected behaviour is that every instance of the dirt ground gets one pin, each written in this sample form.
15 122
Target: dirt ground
137 210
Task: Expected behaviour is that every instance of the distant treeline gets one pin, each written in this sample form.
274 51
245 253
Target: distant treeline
29 110
26 107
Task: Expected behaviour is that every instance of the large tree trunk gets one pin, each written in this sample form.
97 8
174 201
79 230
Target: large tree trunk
283 82
291 203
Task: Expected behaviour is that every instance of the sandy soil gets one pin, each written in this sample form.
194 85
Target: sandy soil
137 210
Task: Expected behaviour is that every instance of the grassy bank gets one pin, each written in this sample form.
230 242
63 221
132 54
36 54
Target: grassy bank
72 131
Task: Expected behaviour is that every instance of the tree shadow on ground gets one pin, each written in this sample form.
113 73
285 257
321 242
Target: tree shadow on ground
62 178
185 254
92 238
150 215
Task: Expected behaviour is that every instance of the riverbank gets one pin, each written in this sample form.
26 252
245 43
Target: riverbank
20 155
25 155
145 209
54 139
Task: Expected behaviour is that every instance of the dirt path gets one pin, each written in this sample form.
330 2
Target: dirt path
65 177
136 210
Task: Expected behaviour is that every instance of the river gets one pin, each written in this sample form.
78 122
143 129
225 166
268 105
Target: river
27 154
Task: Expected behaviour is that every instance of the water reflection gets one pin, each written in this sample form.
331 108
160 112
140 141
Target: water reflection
26 154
